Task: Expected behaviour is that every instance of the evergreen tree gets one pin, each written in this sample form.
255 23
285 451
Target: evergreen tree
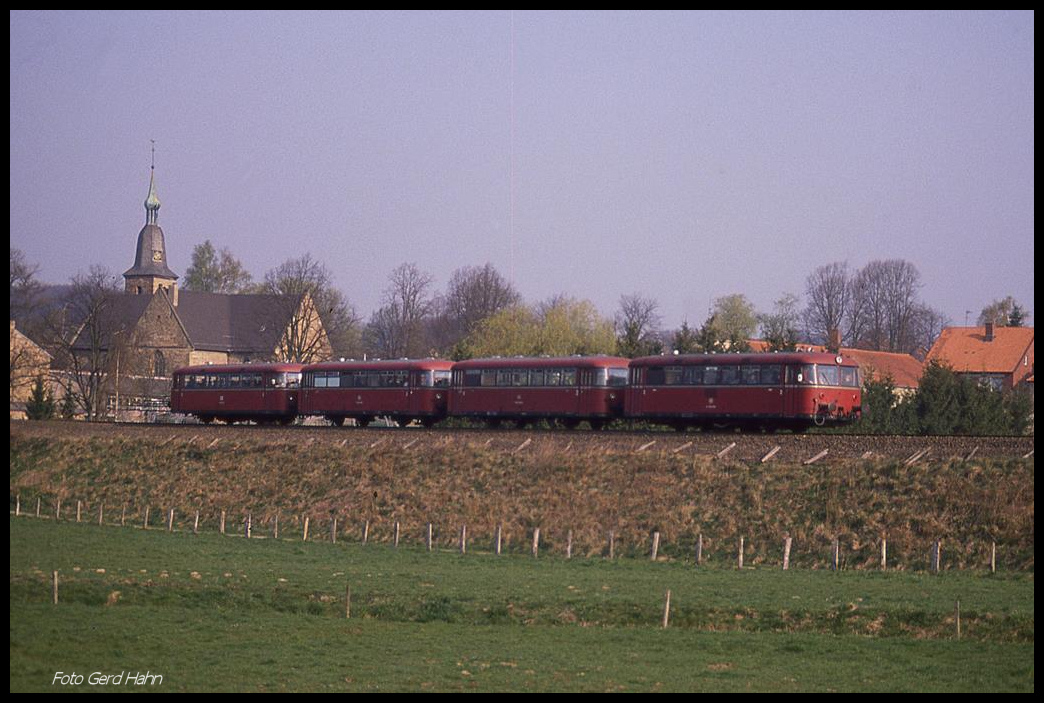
40 405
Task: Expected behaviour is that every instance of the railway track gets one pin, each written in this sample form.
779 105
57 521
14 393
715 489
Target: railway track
726 446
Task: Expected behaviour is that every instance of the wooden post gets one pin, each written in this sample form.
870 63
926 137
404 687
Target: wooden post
366 532
54 587
248 526
667 609
347 601
655 545
699 549
145 522
275 527
536 542
612 544
772 452
463 539
396 540
428 540
79 505
500 534
37 506
786 553
18 504
304 537
993 558
816 458
884 554
936 556
101 513
58 510
725 451
222 523
123 515
739 558
170 521
333 530
569 545
195 525
835 557
957 617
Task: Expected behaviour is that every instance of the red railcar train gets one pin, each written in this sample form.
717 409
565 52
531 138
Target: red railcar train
768 391
748 391
237 392
568 389
404 390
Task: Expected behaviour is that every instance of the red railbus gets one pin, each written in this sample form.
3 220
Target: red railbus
791 390
523 389
237 392
403 390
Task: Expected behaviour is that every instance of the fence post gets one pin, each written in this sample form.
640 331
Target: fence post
786 553
884 553
739 557
536 542
699 549
667 609
655 545
54 587
500 533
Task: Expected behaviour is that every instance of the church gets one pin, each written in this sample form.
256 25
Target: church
155 328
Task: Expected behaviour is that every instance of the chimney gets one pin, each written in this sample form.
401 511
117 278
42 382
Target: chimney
989 331
834 340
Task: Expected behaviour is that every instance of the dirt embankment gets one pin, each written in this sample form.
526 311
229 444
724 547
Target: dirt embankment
581 483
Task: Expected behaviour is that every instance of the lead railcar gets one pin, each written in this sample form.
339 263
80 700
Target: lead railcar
793 390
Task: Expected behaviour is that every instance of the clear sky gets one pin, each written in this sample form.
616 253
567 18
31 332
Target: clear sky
685 156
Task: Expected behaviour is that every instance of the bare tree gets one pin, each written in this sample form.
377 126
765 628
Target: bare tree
397 329
315 310
86 338
828 290
25 289
638 326
884 306
474 293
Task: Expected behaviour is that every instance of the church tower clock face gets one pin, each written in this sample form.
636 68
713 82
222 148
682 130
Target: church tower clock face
157 255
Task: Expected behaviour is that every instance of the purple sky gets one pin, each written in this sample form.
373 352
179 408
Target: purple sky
684 156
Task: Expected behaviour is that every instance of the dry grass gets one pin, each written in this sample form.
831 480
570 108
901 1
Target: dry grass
589 489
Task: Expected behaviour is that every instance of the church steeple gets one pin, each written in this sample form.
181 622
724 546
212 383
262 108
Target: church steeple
150 272
152 201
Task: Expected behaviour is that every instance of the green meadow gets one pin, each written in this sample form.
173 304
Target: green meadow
211 612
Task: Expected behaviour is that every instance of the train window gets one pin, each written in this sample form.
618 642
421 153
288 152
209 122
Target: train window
552 377
472 378
771 375
849 376
751 375
489 377
655 375
730 375
672 376
804 375
519 377
293 379
826 375
568 377
617 377
710 375
441 379
536 377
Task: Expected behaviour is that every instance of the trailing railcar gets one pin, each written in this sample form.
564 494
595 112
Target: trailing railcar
525 389
750 391
403 390
261 393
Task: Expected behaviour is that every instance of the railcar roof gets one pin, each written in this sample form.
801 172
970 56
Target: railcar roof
383 365
760 358
240 368
526 362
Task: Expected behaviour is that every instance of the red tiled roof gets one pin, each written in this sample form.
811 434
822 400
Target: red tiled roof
967 351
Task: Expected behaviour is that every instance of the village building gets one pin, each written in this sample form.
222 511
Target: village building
29 361
154 328
998 357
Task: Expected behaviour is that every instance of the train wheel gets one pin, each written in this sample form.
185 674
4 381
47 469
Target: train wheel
336 420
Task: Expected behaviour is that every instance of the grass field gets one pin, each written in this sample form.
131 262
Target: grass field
209 612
